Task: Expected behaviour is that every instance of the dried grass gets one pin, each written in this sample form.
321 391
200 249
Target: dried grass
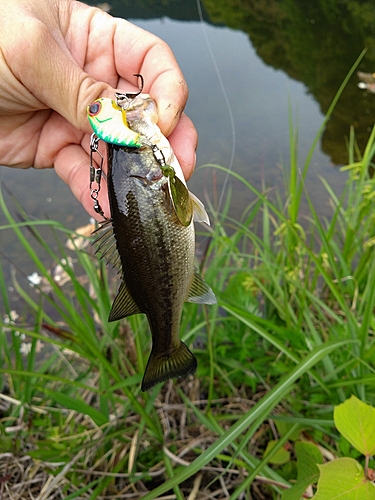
25 478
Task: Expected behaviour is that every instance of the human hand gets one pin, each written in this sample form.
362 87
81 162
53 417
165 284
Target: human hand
57 57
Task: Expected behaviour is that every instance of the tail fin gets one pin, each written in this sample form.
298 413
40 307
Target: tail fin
162 367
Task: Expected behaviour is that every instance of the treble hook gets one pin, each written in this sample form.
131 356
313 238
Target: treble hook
123 99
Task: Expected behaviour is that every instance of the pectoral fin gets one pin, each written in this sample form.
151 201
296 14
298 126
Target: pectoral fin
123 305
200 214
186 205
200 292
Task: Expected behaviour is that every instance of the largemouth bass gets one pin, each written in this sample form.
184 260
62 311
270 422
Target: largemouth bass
150 236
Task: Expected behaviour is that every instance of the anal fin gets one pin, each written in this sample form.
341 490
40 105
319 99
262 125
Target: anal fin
200 292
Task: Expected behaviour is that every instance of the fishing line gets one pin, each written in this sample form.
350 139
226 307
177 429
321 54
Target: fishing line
227 103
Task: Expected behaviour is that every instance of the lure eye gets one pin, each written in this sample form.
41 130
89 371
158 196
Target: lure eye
95 108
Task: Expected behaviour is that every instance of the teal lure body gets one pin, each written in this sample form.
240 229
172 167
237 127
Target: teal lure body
108 121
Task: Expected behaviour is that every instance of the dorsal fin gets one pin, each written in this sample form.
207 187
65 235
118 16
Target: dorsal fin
123 305
106 242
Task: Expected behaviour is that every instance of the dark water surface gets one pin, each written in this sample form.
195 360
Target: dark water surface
263 59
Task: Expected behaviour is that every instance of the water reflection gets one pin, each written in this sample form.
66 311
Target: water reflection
259 98
314 42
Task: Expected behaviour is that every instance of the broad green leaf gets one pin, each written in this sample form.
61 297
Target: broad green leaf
308 456
261 466
282 456
355 420
6 442
343 479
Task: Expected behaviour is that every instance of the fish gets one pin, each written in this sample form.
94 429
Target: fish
150 236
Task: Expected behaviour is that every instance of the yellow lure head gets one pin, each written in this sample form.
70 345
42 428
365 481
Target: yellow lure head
109 123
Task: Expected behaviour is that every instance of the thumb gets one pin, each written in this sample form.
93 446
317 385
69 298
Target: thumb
52 79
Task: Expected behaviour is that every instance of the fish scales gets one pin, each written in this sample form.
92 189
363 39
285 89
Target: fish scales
160 250
156 251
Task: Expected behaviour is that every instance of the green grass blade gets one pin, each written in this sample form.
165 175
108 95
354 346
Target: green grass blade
264 406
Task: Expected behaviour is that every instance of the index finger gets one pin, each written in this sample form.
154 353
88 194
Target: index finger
151 57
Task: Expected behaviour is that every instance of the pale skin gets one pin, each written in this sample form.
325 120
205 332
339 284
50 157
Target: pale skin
56 58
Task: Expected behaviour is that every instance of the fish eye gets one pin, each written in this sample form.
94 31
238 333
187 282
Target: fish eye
95 108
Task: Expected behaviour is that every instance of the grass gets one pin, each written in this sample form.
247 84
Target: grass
292 335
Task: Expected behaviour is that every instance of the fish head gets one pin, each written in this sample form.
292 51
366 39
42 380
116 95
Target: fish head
142 116
108 121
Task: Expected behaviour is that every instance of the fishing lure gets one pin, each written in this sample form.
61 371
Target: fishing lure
179 194
108 119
